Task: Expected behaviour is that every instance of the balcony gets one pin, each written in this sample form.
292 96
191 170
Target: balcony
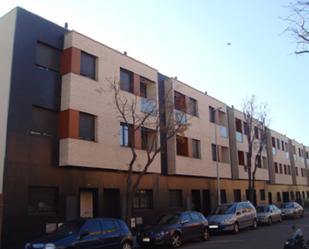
148 106
239 137
223 132
180 117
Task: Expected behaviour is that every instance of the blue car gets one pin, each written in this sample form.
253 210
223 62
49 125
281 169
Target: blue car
86 233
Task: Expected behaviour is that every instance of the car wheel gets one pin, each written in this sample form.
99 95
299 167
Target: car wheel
126 245
270 221
206 234
236 228
176 240
254 225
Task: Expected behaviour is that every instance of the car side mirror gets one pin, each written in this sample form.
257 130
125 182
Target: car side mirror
238 213
84 234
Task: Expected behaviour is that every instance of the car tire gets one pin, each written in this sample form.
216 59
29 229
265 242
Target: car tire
236 228
126 245
270 221
254 225
206 235
176 240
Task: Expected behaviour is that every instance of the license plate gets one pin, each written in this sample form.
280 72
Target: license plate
213 226
146 239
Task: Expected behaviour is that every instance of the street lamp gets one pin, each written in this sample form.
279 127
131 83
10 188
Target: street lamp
217 157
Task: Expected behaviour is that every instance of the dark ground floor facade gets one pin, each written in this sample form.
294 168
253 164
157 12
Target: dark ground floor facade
38 204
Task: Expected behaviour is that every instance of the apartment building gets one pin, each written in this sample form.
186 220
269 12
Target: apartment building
65 149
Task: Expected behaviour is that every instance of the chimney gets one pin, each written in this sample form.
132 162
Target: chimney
125 53
66 25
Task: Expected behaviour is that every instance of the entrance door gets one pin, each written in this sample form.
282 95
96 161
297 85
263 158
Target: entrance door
285 196
206 202
196 200
111 203
87 203
270 198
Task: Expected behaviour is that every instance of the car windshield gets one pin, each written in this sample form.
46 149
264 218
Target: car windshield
168 219
70 227
225 209
287 205
262 209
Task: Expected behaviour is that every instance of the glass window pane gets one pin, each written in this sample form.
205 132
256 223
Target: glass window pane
88 65
86 126
48 57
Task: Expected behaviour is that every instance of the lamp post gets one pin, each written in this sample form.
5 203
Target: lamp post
217 158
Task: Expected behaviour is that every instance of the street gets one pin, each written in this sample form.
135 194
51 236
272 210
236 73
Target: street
265 237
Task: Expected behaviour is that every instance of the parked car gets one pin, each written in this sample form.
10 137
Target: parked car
291 210
175 228
232 217
86 233
268 214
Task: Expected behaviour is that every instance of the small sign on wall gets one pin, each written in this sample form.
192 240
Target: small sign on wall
50 227
133 224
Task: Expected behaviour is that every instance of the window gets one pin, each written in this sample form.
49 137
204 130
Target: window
299 152
282 146
143 90
143 199
149 139
246 129
126 80
276 168
223 196
214 152
86 126
303 172
265 163
308 194
294 149
212 114
126 135
238 125
175 198
285 169
289 169
296 171
262 194
192 107
280 168
278 196
286 146
278 144
303 193
241 158
196 148
259 161
256 132
237 195
273 142
47 57
88 65
42 200
180 101
44 122
182 146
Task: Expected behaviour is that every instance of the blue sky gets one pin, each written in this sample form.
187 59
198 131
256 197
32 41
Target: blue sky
188 39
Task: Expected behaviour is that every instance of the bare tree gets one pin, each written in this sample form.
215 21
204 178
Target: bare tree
299 25
256 118
130 114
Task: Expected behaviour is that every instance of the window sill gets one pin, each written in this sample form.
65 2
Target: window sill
89 78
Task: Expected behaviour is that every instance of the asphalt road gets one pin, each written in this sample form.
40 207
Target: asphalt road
265 237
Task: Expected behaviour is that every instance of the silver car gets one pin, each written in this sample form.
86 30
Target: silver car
268 214
232 217
291 210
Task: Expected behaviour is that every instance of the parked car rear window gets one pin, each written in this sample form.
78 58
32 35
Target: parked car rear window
262 209
225 209
195 216
287 205
92 226
109 226
168 219
70 227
